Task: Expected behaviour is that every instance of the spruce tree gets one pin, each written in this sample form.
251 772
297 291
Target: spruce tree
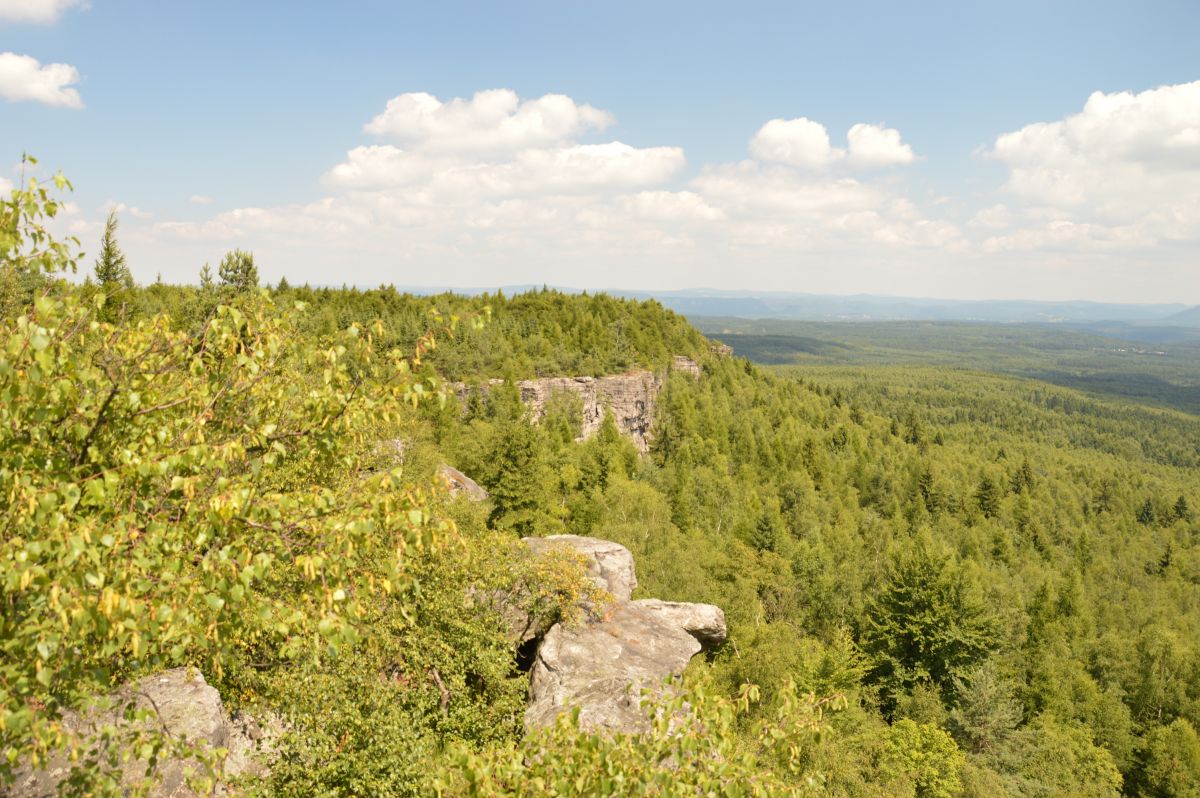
112 273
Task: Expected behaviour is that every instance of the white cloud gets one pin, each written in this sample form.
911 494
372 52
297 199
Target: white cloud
491 121
22 78
497 189
6 186
112 206
875 145
1124 171
997 217
797 142
666 206
804 143
39 11
200 199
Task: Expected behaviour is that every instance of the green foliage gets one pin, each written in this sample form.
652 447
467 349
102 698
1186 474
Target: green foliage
927 756
1170 762
112 272
148 522
237 271
214 477
927 625
691 747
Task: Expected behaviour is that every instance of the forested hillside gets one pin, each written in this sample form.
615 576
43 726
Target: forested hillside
938 583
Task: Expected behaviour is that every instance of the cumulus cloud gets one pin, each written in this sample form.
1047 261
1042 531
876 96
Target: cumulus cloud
494 120
200 199
22 78
495 181
875 145
1122 172
804 143
38 11
798 142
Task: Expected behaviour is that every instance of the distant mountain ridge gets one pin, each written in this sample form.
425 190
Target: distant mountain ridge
1184 318
870 307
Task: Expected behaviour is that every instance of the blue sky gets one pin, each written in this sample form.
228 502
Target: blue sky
260 112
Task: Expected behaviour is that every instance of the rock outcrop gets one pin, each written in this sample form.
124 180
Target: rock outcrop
186 707
631 398
610 565
459 483
602 666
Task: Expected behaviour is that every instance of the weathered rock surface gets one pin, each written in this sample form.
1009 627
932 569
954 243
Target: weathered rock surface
186 707
610 565
704 622
629 396
603 666
459 483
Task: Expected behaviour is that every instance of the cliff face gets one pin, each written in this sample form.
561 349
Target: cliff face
630 397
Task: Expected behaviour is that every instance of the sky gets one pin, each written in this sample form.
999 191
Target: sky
964 150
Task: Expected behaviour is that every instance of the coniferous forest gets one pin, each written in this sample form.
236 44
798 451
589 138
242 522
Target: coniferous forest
939 581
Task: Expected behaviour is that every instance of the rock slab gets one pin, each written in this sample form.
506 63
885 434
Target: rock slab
603 666
609 565
186 706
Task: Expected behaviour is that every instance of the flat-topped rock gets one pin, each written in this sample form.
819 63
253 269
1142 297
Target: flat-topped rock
705 622
609 565
603 667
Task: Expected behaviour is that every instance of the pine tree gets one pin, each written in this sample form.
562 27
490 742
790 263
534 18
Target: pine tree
988 496
206 280
237 271
112 273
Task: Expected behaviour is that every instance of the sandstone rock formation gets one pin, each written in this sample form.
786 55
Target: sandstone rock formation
459 483
185 706
602 666
704 622
630 397
610 565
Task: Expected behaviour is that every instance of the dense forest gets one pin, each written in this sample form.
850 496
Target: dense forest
1098 359
939 582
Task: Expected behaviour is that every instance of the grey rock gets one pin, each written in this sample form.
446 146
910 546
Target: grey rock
185 706
705 622
602 668
610 565
685 365
630 397
459 483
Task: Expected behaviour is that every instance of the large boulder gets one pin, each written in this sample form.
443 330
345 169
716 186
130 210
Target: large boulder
459 483
610 565
602 668
184 706
704 622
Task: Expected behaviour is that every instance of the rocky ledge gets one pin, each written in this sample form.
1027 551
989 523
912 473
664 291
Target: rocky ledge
631 398
184 706
602 666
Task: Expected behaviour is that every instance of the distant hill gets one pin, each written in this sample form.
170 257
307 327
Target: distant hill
870 307
1184 318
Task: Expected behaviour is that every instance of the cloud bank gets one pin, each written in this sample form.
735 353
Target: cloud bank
36 11
22 79
498 189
